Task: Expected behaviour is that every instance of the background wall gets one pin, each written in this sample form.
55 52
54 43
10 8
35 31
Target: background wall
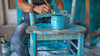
7 14
1 13
11 14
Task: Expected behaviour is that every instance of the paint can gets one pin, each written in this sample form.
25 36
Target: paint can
59 22
5 48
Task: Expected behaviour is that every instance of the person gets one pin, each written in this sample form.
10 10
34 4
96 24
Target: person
20 38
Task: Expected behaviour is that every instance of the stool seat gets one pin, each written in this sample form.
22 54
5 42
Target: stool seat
43 28
44 32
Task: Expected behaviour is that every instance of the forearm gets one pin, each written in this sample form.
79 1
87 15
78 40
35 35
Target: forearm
24 6
59 4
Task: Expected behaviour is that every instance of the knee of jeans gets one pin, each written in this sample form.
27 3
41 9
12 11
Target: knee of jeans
22 27
15 44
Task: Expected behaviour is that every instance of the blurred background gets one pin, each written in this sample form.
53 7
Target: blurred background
10 16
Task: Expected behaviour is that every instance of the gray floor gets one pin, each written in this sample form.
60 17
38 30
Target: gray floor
9 29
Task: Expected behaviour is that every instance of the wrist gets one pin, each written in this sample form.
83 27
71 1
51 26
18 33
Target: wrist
32 8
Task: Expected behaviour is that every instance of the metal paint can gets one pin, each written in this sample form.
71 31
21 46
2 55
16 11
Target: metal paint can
59 22
5 48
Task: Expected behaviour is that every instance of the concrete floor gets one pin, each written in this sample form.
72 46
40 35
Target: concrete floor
9 29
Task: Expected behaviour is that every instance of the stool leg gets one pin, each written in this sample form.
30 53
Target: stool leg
68 46
33 44
80 44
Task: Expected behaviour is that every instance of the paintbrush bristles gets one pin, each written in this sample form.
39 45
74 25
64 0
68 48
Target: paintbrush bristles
51 8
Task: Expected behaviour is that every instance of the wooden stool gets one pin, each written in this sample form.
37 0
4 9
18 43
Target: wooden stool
44 32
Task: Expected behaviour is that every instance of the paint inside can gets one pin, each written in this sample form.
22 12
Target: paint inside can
59 22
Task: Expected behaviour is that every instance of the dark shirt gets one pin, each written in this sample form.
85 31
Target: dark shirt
25 16
40 2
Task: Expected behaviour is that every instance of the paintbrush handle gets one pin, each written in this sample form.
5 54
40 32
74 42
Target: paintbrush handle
48 5
3 41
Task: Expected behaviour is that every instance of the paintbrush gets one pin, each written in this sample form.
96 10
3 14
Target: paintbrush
51 8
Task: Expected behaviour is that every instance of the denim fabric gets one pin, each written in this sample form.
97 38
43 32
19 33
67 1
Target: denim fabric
20 38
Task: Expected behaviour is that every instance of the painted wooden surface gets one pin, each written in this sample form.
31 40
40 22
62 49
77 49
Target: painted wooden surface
19 13
48 37
58 37
93 20
43 28
80 12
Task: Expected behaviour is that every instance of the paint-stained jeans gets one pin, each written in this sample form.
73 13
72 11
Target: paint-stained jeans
20 37
19 40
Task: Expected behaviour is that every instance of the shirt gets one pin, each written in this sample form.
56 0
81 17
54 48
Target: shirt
25 16
40 2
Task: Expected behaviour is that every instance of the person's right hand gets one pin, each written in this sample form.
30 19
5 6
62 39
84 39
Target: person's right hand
42 9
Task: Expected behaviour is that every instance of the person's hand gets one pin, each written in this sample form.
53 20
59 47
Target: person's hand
42 9
63 11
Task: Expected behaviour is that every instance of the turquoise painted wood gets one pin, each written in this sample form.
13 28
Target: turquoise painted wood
44 32
94 19
19 13
59 22
98 9
80 15
98 6
72 33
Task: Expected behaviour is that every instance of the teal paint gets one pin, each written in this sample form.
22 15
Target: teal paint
33 44
73 11
51 37
47 29
80 12
68 46
93 15
93 20
74 45
31 15
67 5
59 22
98 15
19 13
80 44
72 51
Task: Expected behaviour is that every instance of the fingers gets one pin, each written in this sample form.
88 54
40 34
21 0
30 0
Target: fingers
42 9
45 9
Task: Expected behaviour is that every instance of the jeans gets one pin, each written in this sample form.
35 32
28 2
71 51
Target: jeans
20 38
